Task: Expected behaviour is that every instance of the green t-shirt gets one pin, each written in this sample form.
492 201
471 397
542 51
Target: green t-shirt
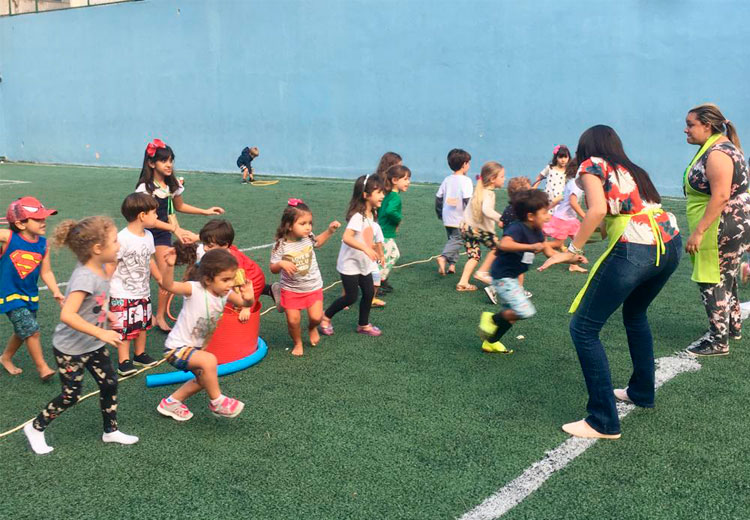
389 216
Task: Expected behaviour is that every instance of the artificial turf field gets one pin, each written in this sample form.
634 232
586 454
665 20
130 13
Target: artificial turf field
418 423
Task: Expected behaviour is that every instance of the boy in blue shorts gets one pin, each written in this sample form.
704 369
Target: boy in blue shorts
521 241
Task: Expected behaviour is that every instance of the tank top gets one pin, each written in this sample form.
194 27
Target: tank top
20 266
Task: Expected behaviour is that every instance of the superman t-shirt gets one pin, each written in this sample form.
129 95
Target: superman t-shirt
20 266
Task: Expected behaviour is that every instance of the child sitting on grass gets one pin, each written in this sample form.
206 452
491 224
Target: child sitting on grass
521 241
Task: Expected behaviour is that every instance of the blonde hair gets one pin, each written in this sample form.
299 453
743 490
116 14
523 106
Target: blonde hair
709 114
81 236
490 170
516 185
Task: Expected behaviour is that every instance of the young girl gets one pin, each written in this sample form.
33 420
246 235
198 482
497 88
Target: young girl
564 222
386 161
157 179
397 180
203 305
480 218
554 172
293 256
357 256
79 340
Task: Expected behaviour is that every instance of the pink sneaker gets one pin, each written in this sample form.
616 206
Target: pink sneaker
326 331
369 330
176 410
227 408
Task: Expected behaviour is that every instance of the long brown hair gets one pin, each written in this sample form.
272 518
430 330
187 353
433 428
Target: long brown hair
386 161
363 186
487 175
392 174
709 114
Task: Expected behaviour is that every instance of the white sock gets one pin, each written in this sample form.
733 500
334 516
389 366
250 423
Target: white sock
119 437
36 439
171 400
218 400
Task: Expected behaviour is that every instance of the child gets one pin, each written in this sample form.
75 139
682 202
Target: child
397 180
521 240
450 201
202 308
378 245
244 163
480 218
564 222
554 172
293 255
157 179
357 256
386 161
23 249
129 288
80 340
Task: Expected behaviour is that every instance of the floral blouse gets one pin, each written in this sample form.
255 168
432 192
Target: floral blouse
699 182
623 198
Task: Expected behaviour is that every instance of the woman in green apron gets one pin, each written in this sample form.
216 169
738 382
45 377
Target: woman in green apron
644 250
718 213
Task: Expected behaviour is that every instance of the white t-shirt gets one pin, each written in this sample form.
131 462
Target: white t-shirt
353 261
453 190
377 238
555 181
564 210
197 320
132 272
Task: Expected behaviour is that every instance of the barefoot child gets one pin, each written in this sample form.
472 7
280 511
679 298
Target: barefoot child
450 201
293 255
129 287
24 259
201 311
80 340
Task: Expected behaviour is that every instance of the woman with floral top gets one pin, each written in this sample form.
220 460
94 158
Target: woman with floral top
644 250
718 211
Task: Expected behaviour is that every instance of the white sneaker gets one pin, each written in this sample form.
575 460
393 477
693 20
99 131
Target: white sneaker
176 410
491 294
621 394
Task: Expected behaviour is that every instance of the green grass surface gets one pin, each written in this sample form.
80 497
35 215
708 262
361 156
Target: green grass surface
415 424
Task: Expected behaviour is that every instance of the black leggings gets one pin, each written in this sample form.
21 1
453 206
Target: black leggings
71 370
351 282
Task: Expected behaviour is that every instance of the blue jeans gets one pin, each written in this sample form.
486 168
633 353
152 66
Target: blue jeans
628 277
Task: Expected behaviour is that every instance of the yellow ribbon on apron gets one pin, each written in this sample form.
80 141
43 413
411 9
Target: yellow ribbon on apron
616 225
706 259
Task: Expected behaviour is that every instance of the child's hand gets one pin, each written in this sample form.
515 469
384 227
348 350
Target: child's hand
215 210
111 337
538 247
247 292
381 260
170 257
245 314
186 237
333 226
563 258
288 267
371 254
59 297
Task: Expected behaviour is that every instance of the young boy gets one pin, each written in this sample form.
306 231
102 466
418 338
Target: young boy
23 249
521 240
129 287
244 163
451 199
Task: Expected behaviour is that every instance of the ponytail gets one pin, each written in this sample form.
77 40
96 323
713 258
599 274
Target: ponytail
81 236
709 114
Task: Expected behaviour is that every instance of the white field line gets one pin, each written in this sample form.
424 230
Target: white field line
11 182
513 493
252 248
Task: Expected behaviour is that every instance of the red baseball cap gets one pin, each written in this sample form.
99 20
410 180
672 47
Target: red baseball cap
26 208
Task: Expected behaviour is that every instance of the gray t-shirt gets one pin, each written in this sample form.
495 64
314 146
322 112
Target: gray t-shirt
302 254
93 309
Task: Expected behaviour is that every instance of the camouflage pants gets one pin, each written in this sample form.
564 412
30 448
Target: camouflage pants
721 300
71 370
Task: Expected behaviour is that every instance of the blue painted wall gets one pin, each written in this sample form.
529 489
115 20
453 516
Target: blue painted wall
324 87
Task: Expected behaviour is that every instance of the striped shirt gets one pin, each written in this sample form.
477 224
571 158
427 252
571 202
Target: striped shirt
302 254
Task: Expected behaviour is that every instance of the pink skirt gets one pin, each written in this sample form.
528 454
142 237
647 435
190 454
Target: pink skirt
561 229
298 301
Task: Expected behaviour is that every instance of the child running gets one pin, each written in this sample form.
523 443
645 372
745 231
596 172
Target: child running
480 219
396 180
202 308
516 250
129 287
357 256
24 259
293 255
451 199
81 337
564 222
554 172
157 180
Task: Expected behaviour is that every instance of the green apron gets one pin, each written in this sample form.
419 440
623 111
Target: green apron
616 225
706 259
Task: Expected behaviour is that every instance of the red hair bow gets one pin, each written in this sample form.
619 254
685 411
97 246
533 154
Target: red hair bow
153 145
294 202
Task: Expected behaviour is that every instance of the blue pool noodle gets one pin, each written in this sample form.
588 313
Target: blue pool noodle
178 376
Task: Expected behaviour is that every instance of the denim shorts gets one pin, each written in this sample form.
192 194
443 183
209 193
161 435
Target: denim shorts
24 322
511 296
